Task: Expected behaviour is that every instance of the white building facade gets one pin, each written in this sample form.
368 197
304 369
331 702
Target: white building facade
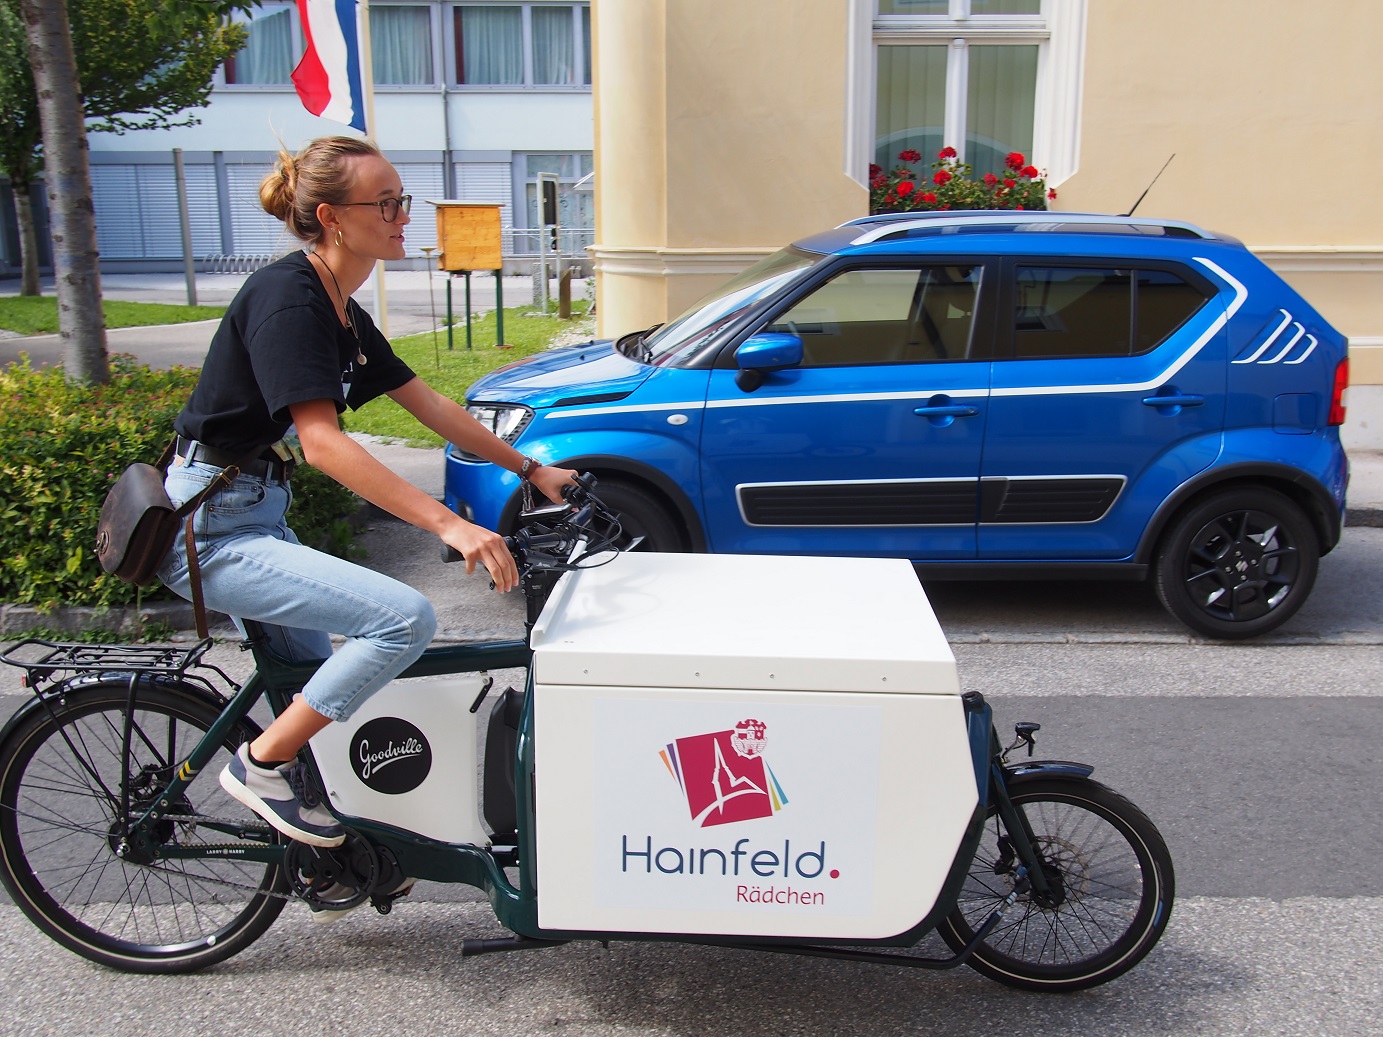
472 100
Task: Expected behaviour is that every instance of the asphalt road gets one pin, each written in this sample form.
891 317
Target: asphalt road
1259 762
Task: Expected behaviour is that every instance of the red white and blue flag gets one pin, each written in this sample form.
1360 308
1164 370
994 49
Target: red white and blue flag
328 78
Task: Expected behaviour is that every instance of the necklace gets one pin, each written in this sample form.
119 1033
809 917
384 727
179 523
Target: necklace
350 325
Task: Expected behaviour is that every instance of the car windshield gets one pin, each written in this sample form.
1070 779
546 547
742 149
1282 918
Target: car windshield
713 313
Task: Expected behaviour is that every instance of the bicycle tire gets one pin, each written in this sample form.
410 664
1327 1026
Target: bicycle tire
60 780
1113 881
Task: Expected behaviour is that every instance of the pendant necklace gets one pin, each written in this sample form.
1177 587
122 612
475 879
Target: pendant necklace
350 325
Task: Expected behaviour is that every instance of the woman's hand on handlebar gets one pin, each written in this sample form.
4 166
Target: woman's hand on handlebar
549 481
478 544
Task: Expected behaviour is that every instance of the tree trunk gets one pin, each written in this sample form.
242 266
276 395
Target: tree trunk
28 240
75 257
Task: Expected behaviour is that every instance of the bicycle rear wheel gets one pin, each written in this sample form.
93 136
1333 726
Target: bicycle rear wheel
1111 889
60 825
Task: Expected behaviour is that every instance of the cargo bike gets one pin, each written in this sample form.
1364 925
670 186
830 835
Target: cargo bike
710 749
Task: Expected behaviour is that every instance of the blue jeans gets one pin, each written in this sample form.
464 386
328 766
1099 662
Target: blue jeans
253 567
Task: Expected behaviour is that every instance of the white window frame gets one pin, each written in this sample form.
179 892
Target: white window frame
1058 30
583 71
243 18
438 31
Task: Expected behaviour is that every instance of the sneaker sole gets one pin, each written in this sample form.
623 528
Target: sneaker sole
232 785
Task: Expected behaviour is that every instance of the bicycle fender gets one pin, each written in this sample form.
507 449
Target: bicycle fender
1045 768
73 687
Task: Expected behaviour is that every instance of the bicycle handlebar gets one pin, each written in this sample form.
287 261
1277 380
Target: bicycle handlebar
549 535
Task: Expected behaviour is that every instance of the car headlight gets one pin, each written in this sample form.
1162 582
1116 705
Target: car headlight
505 420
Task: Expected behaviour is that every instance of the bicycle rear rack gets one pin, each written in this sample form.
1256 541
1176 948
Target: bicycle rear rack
52 661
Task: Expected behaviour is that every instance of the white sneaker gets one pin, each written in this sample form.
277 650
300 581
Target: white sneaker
283 797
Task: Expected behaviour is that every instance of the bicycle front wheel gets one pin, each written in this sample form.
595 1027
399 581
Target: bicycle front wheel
61 793
1110 893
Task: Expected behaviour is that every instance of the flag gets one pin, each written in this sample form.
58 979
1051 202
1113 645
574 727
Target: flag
328 78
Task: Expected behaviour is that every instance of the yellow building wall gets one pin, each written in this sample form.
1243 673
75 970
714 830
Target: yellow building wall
1272 109
719 129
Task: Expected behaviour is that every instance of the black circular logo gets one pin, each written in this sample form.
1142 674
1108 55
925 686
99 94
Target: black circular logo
390 756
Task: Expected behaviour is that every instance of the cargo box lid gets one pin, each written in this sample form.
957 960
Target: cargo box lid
744 622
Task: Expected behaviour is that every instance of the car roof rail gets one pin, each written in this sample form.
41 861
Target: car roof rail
886 226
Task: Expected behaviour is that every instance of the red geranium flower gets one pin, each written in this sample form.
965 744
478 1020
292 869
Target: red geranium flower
1015 160
875 170
941 178
990 180
905 189
1010 184
929 198
946 152
910 155
1031 172
1051 193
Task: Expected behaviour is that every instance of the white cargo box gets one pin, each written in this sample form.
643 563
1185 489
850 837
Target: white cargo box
745 745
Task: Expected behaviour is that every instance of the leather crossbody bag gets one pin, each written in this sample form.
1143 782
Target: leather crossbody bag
139 522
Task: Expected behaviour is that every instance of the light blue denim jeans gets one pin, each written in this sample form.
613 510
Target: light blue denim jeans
253 567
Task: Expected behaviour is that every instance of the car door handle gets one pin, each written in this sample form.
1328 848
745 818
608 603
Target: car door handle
1174 401
949 411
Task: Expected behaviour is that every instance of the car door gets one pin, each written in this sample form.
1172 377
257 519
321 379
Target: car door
1113 396
871 445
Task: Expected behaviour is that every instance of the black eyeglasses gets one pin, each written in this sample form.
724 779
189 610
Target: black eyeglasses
389 208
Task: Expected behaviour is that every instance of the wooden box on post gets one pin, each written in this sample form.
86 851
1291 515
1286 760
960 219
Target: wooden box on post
469 236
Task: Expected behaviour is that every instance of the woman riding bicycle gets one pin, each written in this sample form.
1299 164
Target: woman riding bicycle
293 351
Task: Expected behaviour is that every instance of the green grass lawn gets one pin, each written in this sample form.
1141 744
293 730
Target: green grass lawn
38 314
451 371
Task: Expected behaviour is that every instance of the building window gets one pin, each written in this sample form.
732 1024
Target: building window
530 45
272 51
987 77
401 45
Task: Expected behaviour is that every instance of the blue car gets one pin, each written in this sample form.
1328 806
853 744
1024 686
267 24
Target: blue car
995 394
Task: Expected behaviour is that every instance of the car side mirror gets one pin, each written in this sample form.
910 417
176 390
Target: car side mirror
763 353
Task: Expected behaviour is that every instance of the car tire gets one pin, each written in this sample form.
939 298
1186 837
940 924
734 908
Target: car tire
1237 564
641 515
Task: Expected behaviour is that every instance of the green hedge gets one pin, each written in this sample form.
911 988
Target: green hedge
63 444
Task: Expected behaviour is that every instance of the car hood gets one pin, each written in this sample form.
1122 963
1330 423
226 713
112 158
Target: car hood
589 373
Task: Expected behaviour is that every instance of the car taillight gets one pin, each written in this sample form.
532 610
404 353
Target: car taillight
1337 392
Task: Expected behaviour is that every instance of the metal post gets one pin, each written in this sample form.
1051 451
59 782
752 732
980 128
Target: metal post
189 268
499 308
432 302
449 277
469 311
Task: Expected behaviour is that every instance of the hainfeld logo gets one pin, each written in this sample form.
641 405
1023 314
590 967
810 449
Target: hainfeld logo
723 775
390 755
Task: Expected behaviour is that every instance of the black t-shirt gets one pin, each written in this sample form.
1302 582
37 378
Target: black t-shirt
280 343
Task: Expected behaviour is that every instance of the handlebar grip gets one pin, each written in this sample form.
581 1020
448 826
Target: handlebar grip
450 554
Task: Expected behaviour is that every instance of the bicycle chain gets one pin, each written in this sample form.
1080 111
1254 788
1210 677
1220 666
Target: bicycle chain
196 819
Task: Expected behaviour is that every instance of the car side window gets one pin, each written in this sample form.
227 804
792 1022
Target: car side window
886 316
1066 311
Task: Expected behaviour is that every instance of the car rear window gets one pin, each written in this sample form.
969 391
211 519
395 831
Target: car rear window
1078 311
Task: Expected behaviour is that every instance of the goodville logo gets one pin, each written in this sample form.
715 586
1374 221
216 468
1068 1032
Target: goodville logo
723 775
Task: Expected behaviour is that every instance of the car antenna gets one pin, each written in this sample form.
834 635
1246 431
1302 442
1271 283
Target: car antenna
1150 186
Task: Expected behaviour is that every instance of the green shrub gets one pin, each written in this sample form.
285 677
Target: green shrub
63 444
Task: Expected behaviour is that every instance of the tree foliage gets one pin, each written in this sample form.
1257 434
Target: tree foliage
141 64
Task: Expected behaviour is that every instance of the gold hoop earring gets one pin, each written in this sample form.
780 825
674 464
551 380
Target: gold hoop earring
338 237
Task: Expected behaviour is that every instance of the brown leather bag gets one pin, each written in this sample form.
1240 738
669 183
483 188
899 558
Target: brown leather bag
138 524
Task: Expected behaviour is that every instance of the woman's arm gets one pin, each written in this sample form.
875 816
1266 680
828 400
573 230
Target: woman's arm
449 420
327 448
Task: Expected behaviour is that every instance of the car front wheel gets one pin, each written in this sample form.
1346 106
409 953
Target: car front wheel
1237 564
641 516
